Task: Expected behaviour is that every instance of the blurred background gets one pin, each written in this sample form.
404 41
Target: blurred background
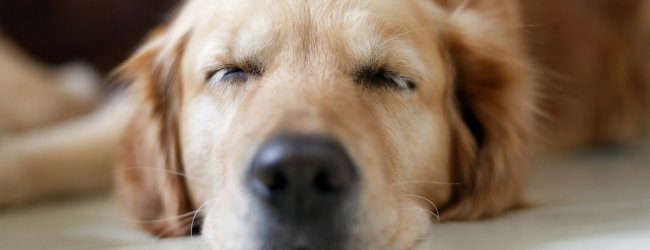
594 201
54 56
99 32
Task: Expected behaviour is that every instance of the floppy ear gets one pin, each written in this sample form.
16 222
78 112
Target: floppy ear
150 183
492 111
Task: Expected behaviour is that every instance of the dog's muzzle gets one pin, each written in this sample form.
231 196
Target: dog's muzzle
306 186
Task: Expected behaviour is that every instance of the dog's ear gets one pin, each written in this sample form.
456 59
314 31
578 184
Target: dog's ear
492 112
150 183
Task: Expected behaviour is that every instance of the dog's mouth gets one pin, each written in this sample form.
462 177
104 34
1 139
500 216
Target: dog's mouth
305 187
315 236
307 192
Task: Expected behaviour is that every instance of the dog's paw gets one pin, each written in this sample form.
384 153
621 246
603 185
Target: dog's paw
14 184
80 82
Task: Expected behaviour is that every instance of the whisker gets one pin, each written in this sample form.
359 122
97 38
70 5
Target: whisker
422 198
427 211
163 219
194 218
184 222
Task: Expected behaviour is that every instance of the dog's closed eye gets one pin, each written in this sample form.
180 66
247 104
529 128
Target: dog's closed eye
233 73
228 74
383 78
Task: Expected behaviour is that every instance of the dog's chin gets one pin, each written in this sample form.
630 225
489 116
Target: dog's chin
258 231
253 230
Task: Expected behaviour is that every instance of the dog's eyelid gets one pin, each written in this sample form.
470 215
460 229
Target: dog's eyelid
234 73
402 82
374 76
220 71
227 74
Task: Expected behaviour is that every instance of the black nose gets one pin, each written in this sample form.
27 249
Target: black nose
302 177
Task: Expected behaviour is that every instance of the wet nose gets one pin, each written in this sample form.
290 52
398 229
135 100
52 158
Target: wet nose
302 177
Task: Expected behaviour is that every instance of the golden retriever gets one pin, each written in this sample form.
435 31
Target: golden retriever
356 124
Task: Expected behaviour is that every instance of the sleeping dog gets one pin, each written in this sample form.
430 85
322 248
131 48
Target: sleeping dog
357 124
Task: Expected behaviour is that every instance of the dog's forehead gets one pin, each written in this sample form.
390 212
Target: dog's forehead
349 30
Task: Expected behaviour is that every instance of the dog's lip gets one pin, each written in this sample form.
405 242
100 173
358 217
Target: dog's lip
304 238
301 243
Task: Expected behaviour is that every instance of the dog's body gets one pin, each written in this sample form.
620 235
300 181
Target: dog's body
392 111
594 69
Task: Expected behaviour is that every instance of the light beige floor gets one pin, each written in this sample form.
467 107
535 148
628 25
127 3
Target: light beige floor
586 201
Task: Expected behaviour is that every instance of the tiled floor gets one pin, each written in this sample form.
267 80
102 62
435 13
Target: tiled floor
589 201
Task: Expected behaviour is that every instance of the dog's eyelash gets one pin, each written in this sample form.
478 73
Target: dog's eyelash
235 74
384 79
400 82
227 74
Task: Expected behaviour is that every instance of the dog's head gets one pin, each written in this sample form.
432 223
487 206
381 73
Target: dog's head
325 124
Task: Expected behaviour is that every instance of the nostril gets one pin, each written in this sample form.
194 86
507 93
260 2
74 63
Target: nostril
326 182
272 178
322 182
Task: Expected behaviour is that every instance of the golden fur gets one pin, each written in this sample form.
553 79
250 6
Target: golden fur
493 81
470 124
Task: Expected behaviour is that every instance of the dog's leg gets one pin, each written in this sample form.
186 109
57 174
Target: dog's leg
70 158
32 95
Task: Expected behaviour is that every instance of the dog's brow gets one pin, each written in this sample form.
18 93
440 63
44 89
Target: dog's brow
397 57
372 50
254 42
